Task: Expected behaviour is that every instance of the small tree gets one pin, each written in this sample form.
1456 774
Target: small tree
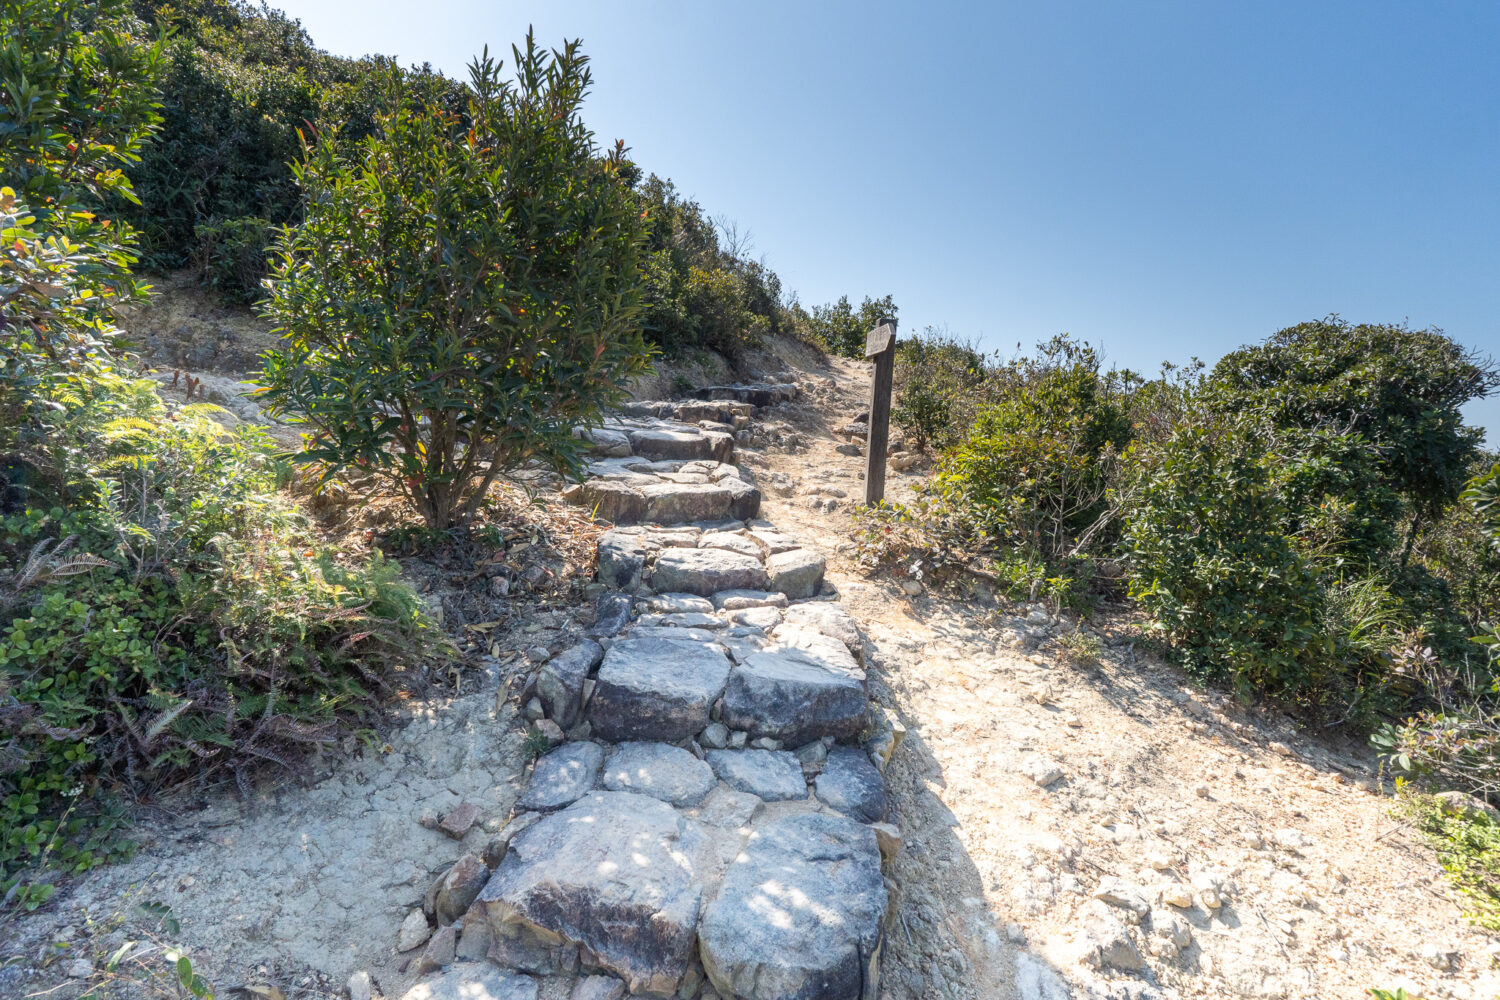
1402 389
464 290
76 106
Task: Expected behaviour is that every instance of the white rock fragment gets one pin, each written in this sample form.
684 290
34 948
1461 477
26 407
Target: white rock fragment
414 931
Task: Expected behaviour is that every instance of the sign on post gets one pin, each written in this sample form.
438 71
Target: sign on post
880 347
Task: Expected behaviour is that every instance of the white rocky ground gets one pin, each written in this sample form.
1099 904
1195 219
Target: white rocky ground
1053 814
1066 828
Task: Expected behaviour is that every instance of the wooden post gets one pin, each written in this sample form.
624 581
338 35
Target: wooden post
880 347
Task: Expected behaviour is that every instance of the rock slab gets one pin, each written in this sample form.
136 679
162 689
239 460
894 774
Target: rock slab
656 689
797 573
707 571
799 914
562 776
852 785
798 691
773 775
559 682
609 881
659 770
474 981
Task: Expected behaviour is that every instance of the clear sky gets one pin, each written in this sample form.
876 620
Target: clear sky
1163 179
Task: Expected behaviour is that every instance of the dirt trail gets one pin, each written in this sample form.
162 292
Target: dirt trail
1167 789
1161 786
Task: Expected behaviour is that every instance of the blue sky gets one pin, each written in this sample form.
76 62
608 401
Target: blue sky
1161 179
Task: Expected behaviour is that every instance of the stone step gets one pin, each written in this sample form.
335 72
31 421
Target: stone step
612 882
801 688
755 395
778 901
706 563
799 914
657 689
635 491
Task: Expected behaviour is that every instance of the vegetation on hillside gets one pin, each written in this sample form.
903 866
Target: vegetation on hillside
164 611
243 89
239 88
1290 521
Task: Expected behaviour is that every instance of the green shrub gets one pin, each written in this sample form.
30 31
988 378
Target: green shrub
1468 848
841 328
1033 470
1480 511
940 384
1400 389
1216 567
239 83
166 614
1020 498
1266 558
230 256
1082 648
464 290
75 82
162 612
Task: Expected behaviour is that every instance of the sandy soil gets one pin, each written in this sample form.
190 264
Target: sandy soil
1324 893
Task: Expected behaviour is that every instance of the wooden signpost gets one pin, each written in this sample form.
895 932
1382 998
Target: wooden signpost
880 347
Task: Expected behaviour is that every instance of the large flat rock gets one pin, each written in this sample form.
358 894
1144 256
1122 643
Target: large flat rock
772 775
684 502
828 618
797 573
707 571
474 981
851 784
656 689
798 916
622 557
659 770
617 502
803 687
610 881
562 776
680 443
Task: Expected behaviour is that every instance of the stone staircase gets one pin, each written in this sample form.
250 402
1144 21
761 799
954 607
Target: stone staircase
713 826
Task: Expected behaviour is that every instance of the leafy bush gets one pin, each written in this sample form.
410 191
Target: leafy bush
166 614
162 612
75 82
464 290
1259 554
1481 504
840 328
1400 389
1206 525
230 256
1020 499
940 383
239 83
1467 843
1457 551
1033 469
